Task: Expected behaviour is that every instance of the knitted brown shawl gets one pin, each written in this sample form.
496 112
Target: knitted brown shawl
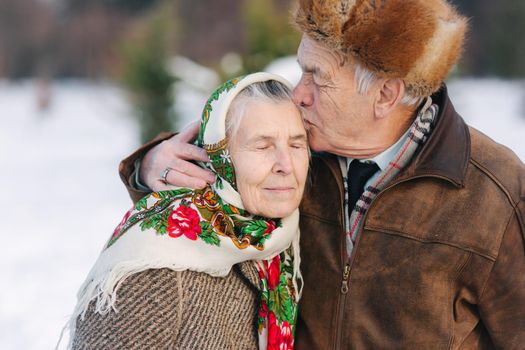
164 309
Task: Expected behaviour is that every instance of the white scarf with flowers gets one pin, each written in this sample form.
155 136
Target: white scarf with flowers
206 231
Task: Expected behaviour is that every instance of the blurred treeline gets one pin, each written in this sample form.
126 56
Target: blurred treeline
87 38
84 38
133 42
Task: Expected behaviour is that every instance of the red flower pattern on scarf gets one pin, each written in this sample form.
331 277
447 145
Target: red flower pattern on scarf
263 310
124 219
261 273
273 332
286 337
274 272
279 337
270 228
273 317
184 221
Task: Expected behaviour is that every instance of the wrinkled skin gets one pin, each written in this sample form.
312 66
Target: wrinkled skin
270 156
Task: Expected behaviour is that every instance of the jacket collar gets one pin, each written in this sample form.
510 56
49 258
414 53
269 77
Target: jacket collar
446 152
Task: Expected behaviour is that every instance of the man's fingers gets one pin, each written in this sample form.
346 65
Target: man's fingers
178 154
190 132
160 186
184 180
191 170
190 152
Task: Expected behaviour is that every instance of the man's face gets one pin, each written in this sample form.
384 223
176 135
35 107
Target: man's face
336 116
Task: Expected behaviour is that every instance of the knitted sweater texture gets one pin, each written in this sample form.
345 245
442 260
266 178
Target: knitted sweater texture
164 309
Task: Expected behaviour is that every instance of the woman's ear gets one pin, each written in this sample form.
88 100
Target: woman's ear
388 97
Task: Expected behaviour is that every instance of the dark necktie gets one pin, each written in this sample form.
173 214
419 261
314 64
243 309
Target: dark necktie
358 175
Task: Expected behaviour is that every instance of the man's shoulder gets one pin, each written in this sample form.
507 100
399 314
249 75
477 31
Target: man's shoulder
498 164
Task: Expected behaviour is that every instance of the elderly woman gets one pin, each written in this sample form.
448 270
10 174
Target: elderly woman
216 268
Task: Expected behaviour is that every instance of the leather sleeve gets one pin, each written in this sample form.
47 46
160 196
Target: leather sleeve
502 305
127 166
148 306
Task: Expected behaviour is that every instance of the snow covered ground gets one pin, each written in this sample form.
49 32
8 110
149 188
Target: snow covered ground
61 198
62 195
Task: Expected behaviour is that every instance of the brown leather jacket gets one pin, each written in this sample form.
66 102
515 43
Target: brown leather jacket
440 263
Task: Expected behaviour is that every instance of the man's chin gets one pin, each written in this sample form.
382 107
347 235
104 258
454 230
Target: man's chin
317 145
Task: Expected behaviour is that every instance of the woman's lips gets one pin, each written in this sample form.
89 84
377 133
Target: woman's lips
279 189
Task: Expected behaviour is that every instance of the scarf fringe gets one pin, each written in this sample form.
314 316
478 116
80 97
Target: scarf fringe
103 287
297 275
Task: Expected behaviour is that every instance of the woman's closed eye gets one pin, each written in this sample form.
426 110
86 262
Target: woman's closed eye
298 145
263 146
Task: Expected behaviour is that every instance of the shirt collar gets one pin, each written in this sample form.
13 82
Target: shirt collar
383 159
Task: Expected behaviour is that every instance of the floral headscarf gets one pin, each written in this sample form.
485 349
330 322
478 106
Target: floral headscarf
206 231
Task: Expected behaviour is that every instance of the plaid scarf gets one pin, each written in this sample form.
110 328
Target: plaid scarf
417 135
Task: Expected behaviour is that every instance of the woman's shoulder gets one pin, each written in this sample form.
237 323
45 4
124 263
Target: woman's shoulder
154 305
146 307
152 286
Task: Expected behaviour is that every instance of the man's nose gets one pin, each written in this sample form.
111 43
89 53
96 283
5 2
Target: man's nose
302 94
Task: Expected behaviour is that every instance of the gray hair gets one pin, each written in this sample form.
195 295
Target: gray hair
270 90
365 78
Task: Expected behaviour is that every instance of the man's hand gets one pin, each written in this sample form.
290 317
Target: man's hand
177 154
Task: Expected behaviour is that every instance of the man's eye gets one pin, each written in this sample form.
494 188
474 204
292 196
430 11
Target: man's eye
308 78
319 81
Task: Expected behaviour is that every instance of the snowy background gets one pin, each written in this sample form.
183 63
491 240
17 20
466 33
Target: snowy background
62 195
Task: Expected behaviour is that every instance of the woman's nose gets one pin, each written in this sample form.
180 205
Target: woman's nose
283 162
302 94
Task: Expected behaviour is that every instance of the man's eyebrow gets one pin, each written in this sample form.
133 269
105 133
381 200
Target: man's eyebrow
307 68
313 70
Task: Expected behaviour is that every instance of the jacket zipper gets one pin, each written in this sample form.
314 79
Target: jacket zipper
342 302
346 269
346 273
349 263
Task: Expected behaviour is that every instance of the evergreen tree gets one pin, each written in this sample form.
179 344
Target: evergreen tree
146 76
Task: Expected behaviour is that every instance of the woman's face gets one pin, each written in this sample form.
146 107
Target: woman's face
270 157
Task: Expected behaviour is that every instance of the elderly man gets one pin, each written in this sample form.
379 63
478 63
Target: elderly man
413 227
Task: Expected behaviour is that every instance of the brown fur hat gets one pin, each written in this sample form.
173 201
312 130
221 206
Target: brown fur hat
416 40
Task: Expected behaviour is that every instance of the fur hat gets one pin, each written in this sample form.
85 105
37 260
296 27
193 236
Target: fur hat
416 40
